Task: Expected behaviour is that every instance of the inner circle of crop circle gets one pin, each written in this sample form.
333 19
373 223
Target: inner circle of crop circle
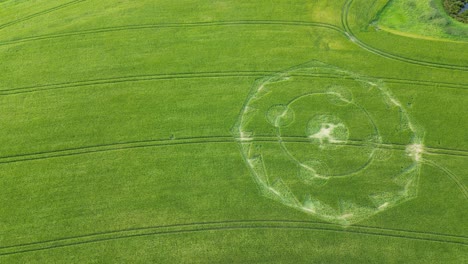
328 142
329 133
323 129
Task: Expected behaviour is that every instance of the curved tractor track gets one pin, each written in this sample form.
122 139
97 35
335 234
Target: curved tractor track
233 225
344 20
195 75
352 37
173 25
118 146
44 12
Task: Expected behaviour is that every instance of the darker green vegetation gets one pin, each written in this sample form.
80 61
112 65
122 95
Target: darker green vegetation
455 9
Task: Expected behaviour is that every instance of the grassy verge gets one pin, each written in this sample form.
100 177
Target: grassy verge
416 18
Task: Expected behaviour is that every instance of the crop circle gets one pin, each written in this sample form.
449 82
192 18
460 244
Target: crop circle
329 142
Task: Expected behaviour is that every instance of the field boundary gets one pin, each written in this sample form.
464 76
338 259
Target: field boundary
352 37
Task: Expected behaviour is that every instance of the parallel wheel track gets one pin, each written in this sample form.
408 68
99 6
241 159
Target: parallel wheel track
47 11
182 141
352 37
175 25
231 226
193 75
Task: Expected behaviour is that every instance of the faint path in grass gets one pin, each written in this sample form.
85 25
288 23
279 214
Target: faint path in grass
232 226
451 175
47 11
347 32
352 37
344 20
134 78
119 146
174 25
193 75
115 147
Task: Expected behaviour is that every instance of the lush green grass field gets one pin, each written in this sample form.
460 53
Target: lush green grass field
126 133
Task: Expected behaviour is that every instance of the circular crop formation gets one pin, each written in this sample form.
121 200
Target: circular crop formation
330 143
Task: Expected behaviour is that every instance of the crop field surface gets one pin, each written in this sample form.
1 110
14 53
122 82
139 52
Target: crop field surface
305 131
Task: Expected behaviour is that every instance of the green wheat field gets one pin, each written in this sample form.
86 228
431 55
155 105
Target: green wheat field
233 131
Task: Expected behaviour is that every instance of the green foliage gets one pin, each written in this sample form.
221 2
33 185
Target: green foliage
454 7
423 18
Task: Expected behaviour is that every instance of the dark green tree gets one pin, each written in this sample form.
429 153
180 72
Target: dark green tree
454 7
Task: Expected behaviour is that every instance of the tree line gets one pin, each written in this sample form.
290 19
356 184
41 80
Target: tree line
454 7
